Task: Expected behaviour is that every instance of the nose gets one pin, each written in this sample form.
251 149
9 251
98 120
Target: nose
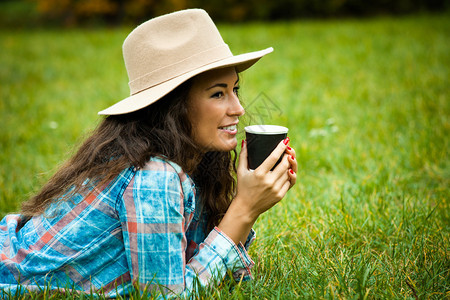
235 108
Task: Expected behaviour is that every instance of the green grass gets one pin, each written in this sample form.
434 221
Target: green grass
367 103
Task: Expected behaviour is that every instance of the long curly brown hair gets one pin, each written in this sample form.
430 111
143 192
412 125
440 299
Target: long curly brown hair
121 141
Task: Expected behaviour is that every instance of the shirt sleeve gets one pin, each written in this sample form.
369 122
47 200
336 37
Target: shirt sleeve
196 235
155 210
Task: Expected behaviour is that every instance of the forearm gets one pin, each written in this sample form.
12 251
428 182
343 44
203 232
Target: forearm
237 223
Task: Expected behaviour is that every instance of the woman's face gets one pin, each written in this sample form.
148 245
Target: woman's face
214 109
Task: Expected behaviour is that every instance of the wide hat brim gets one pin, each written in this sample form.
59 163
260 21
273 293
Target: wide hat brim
154 93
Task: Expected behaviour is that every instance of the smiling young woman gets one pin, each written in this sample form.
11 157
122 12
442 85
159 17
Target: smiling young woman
151 197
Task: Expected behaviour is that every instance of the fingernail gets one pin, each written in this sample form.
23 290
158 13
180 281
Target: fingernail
292 171
292 156
242 145
286 141
289 148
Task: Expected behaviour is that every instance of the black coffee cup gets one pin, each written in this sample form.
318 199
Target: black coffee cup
261 141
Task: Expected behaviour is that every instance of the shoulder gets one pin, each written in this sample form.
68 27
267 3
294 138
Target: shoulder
163 175
160 164
159 187
158 167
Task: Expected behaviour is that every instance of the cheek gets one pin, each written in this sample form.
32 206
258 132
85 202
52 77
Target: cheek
209 116
206 116
202 124
207 125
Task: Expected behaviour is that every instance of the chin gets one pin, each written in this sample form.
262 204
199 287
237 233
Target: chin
225 147
231 146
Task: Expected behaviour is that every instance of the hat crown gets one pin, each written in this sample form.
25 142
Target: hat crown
170 45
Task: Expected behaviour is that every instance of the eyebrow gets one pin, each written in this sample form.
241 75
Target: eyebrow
223 85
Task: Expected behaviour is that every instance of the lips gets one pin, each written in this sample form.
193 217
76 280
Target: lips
229 128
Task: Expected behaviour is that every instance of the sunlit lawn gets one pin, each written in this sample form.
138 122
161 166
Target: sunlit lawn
367 103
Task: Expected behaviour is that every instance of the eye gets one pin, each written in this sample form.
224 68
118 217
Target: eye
236 90
217 95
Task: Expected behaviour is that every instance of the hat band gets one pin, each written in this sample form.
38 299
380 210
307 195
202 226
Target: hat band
179 68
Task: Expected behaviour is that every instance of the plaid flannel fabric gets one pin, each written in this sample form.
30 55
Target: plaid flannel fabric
144 227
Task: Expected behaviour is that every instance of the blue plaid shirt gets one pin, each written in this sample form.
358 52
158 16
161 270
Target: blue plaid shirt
144 227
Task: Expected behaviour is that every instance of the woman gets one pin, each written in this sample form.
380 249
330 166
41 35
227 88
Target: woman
150 198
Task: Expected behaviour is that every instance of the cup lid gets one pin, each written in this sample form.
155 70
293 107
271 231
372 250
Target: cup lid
266 129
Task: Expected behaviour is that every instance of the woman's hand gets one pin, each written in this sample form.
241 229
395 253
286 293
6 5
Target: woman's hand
261 189
258 190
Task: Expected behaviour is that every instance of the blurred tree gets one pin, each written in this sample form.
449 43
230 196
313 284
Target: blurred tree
73 11
135 11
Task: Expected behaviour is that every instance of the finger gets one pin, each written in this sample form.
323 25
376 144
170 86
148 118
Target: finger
279 183
270 161
243 163
282 167
292 177
293 163
284 189
290 150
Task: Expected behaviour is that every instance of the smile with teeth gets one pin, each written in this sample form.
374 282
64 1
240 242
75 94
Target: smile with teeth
231 128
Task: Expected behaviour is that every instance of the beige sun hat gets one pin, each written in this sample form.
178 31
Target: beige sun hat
166 51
